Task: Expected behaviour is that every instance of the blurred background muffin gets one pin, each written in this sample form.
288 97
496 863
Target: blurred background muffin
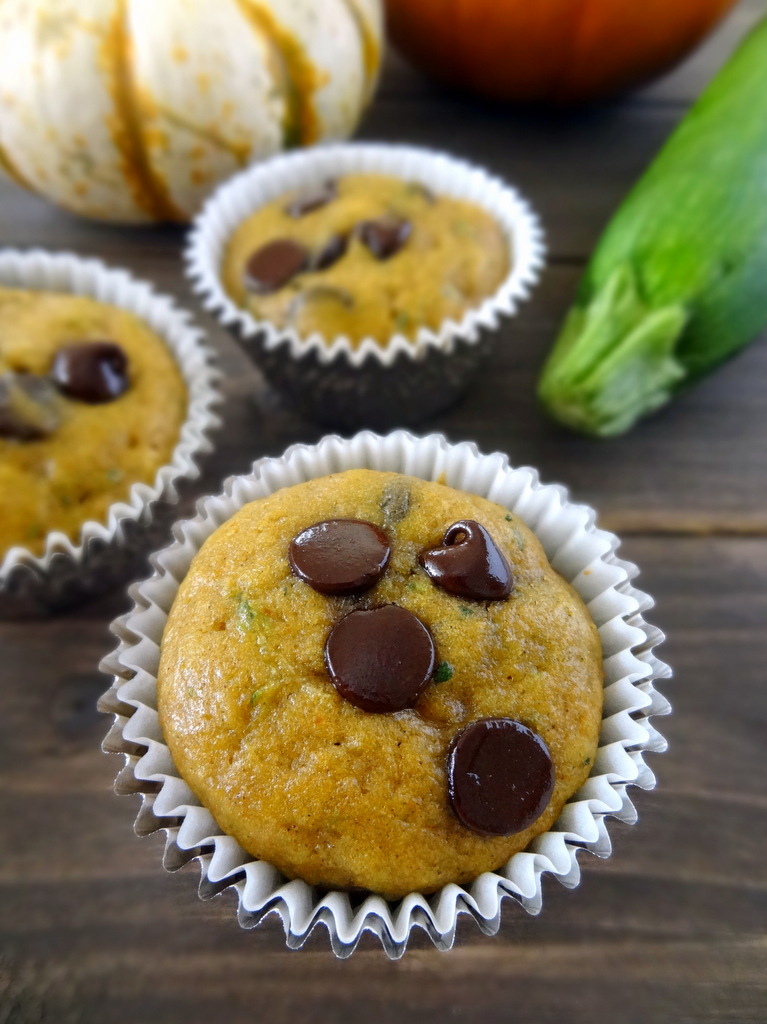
367 256
107 394
91 402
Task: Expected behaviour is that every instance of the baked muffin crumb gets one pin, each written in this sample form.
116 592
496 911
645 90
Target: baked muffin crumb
100 436
306 780
369 255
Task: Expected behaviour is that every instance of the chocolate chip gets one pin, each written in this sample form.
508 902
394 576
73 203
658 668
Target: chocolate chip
380 660
340 556
271 267
469 563
29 406
312 199
331 252
499 776
385 237
91 371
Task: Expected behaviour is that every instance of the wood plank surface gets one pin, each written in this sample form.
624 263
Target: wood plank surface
672 927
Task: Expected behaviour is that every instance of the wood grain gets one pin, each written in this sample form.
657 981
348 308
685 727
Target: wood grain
673 927
673 923
699 466
575 169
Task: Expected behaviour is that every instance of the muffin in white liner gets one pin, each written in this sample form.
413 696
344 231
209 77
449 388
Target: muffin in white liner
105 553
374 385
584 555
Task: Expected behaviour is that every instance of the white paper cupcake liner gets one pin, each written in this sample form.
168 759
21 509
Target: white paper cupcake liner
374 385
583 554
105 553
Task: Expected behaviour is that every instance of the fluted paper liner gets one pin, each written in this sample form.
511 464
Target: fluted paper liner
403 379
583 554
103 552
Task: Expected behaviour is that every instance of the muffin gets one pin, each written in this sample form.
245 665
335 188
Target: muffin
394 727
583 555
366 281
365 256
107 394
91 402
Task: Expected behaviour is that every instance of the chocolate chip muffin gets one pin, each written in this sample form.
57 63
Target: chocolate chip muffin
377 682
91 401
367 256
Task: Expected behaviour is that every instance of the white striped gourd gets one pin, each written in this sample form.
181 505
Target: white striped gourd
133 110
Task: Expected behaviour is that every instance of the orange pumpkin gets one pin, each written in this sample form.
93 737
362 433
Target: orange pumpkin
562 51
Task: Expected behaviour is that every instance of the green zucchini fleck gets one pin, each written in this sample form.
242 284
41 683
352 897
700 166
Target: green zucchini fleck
443 672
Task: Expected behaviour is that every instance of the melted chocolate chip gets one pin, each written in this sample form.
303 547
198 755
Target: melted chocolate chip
91 371
271 267
340 556
380 660
331 252
499 776
384 237
469 563
311 200
29 406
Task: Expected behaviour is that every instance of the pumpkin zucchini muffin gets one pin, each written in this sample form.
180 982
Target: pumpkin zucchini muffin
91 402
379 682
369 255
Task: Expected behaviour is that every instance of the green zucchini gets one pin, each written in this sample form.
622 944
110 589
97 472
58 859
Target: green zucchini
678 281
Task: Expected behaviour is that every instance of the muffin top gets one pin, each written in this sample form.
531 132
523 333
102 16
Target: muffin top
379 682
91 401
366 256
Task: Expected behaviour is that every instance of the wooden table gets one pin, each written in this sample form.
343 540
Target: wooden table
674 925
